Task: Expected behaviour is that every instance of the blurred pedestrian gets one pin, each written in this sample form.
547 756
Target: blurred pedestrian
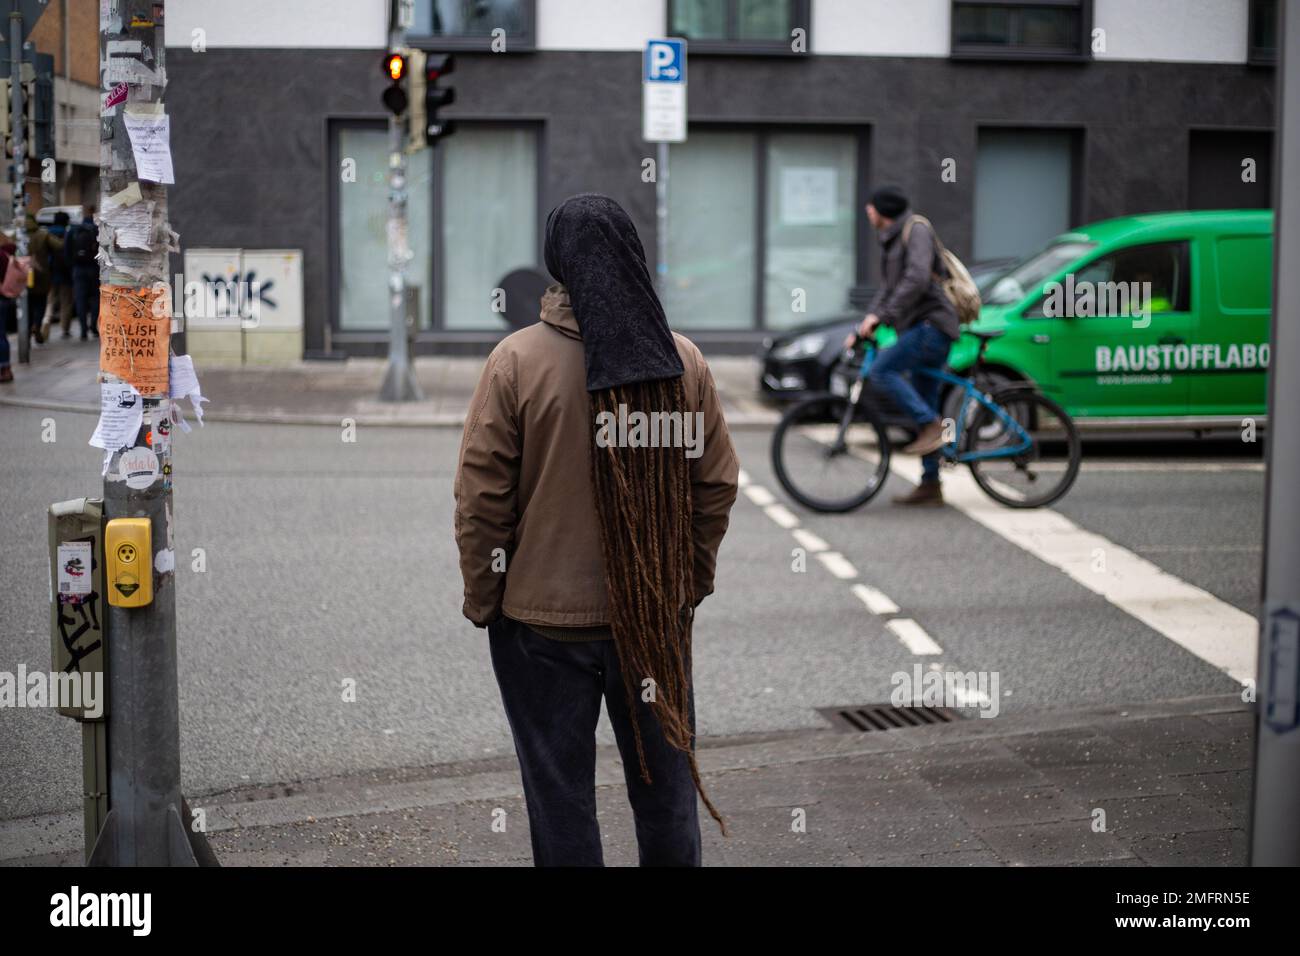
913 303
584 550
7 311
43 249
58 305
83 247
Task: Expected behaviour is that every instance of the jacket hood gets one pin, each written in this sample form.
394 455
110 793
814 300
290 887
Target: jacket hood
558 313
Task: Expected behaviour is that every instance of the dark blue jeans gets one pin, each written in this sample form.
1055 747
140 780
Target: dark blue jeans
921 346
552 692
85 297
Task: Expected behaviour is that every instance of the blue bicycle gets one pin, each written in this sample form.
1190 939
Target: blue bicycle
831 452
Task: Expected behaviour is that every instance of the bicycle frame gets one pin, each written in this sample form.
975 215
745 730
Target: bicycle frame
949 451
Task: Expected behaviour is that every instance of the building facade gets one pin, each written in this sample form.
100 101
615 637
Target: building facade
1007 122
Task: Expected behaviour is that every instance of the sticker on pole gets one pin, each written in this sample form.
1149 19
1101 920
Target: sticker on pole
663 92
138 468
74 568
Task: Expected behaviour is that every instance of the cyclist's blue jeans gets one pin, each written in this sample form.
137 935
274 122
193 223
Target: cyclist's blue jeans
921 346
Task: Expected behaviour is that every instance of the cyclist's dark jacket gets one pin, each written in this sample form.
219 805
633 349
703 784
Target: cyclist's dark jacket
909 292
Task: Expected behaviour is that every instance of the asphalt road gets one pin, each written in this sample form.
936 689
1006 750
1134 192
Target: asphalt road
329 561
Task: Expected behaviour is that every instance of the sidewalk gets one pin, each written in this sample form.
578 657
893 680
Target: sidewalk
61 377
1172 779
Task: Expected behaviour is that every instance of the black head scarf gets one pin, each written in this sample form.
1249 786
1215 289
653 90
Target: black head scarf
592 249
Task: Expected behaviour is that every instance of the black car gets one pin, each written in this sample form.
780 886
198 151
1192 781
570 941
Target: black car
799 362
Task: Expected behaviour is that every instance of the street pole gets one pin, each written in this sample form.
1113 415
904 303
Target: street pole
148 823
18 131
399 376
1275 824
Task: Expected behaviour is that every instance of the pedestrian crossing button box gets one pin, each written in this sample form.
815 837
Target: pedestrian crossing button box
128 558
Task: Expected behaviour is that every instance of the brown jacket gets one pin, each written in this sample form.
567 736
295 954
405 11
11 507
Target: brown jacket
524 480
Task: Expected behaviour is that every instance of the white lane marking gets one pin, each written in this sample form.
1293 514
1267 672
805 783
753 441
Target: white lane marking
913 636
1207 466
782 516
877 602
759 495
742 478
809 540
838 565
1191 617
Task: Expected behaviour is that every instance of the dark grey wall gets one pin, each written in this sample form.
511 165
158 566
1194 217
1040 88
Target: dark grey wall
249 134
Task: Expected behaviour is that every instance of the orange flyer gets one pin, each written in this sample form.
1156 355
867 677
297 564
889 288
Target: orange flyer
134 334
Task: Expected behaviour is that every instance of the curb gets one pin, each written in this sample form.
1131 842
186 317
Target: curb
358 794
740 421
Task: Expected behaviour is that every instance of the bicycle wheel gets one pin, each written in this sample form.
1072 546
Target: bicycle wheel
830 455
1027 467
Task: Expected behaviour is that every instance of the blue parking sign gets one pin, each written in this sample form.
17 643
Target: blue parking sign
665 61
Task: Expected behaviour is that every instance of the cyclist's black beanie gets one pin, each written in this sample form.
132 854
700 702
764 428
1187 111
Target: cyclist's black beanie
889 201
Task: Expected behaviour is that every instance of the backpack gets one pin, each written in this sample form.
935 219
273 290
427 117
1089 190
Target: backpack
957 285
83 245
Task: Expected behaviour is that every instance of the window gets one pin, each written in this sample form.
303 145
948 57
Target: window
999 29
1029 274
362 219
477 192
739 26
470 24
762 228
1261 45
1229 169
1157 271
1024 189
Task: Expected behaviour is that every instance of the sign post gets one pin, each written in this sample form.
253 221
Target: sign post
663 121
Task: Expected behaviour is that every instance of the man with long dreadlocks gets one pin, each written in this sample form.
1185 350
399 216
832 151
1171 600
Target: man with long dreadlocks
585 550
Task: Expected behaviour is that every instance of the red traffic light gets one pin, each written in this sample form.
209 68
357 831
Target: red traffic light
395 67
439 65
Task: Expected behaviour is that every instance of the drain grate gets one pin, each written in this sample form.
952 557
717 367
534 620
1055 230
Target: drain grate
865 718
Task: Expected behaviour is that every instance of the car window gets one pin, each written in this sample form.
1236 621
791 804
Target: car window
1154 275
1024 278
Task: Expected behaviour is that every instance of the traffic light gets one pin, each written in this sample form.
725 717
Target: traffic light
395 93
435 97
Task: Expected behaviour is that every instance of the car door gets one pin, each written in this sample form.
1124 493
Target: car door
1235 325
1122 326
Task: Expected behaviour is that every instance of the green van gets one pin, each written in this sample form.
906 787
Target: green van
1141 321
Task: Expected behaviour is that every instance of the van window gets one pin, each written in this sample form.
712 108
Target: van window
1162 264
1245 273
1030 273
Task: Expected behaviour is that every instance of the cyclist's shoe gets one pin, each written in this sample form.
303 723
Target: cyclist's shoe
930 439
927 493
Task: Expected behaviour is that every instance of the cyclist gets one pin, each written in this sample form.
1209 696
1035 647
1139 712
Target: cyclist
913 303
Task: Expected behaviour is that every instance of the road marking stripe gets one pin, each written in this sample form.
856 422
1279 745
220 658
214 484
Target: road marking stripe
759 495
838 565
810 540
913 636
742 478
877 602
782 516
1191 617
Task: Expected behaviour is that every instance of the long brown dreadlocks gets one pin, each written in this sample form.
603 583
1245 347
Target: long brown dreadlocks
643 499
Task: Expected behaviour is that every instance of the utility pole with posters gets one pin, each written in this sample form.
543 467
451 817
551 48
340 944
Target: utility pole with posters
148 823
1275 824
22 17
